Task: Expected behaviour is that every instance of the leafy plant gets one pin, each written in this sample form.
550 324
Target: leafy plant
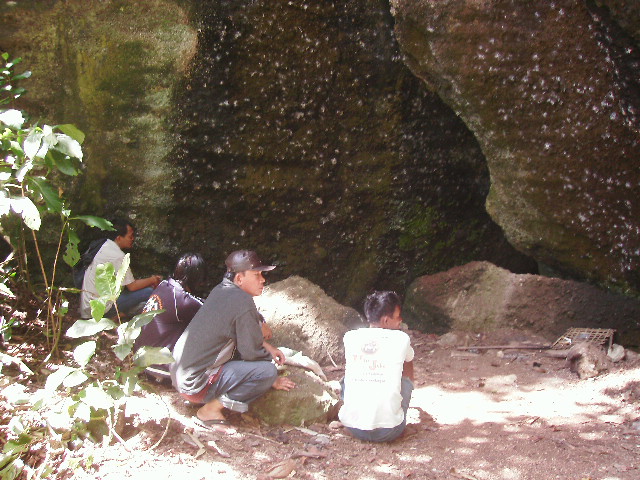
29 157
91 406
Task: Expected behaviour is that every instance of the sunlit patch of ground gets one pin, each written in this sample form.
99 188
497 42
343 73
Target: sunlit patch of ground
552 399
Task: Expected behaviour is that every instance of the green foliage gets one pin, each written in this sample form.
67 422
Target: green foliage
29 156
73 403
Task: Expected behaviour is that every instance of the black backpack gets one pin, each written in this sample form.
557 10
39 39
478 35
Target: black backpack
85 260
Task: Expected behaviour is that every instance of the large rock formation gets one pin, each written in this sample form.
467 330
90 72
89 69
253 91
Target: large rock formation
480 297
551 91
292 127
303 133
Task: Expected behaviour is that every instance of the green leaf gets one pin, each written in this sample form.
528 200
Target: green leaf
32 144
122 350
72 131
68 146
73 236
18 427
130 381
98 308
63 163
106 282
50 196
55 379
71 254
12 118
25 168
83 412
115 391
93 221
82 353
122 271
12 470
146 356
21 76
27 210
75 378
16 394
20 444
16 149
86 328
124 333
95 397
142 319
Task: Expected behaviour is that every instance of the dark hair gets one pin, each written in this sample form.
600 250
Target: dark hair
120 226
380 304
231 276
190 271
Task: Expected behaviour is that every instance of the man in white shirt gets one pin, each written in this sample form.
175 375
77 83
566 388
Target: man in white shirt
135 292
378 379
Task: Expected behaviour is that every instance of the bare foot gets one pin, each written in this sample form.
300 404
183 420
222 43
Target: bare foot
211 411
210 417
221 426
283 383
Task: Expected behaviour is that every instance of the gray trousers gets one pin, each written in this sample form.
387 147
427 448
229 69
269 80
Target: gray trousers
243 381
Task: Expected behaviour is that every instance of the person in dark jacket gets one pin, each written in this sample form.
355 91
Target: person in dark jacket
222 359
176 296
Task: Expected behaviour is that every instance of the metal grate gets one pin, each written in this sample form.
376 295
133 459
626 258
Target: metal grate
599 336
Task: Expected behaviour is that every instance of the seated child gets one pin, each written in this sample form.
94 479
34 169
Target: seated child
378 378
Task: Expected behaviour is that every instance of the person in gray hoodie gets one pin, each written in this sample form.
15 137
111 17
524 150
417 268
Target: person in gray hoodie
222 359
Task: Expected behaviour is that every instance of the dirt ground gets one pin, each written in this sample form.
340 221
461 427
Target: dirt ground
497 414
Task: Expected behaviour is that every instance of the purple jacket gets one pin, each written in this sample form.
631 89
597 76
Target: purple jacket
179 308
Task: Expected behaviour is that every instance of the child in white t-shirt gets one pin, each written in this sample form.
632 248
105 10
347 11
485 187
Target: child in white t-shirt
378 379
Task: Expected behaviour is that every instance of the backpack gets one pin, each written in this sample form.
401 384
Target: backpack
86 258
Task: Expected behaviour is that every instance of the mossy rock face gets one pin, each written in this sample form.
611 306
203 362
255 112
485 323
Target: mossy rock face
309 402
111 69
550 90
306 137
293 128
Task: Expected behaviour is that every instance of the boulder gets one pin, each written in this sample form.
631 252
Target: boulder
550 90
480 297
310 402
304 318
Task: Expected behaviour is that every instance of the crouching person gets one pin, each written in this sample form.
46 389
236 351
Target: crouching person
221 359
378 381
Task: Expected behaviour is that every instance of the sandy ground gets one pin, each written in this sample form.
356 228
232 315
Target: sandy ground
488 415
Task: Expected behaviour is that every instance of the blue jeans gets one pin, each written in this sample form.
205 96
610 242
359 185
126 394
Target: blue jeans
386 434
130 303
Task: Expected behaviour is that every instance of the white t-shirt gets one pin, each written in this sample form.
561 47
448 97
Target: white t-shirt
374 361
109 253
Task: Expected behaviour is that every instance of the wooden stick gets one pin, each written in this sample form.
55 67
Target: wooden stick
505 347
